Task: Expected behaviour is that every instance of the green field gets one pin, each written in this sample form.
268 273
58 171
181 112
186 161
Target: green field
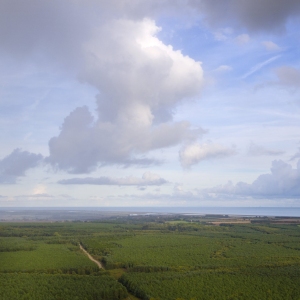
162 259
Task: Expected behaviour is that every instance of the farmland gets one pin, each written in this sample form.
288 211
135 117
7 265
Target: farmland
151 257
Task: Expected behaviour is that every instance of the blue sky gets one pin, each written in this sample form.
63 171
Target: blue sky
149 103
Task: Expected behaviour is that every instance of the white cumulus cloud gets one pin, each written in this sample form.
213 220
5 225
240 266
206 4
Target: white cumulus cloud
140 82
282 182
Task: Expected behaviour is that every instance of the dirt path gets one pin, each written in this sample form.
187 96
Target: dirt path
99 265
91 257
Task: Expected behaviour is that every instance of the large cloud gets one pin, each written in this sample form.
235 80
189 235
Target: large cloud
16 164
254 15
83 142
141 81
114 48
137 75
282 182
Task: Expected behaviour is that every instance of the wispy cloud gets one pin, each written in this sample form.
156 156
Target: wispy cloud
148 179
257 150
259 66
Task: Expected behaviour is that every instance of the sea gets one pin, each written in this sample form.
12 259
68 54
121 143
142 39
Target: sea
244 211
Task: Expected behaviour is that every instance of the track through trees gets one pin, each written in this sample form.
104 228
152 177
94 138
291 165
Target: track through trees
91 257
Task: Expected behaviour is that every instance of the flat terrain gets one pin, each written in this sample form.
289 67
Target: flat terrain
152 257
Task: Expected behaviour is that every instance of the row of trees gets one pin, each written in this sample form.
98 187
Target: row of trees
66 287
213 285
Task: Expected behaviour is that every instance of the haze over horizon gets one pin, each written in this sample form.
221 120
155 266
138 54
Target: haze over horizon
149 103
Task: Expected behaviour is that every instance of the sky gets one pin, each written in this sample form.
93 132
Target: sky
149 103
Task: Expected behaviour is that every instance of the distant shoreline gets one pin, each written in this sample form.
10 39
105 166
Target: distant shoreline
35 214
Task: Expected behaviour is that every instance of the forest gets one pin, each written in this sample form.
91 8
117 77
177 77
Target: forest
151 257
